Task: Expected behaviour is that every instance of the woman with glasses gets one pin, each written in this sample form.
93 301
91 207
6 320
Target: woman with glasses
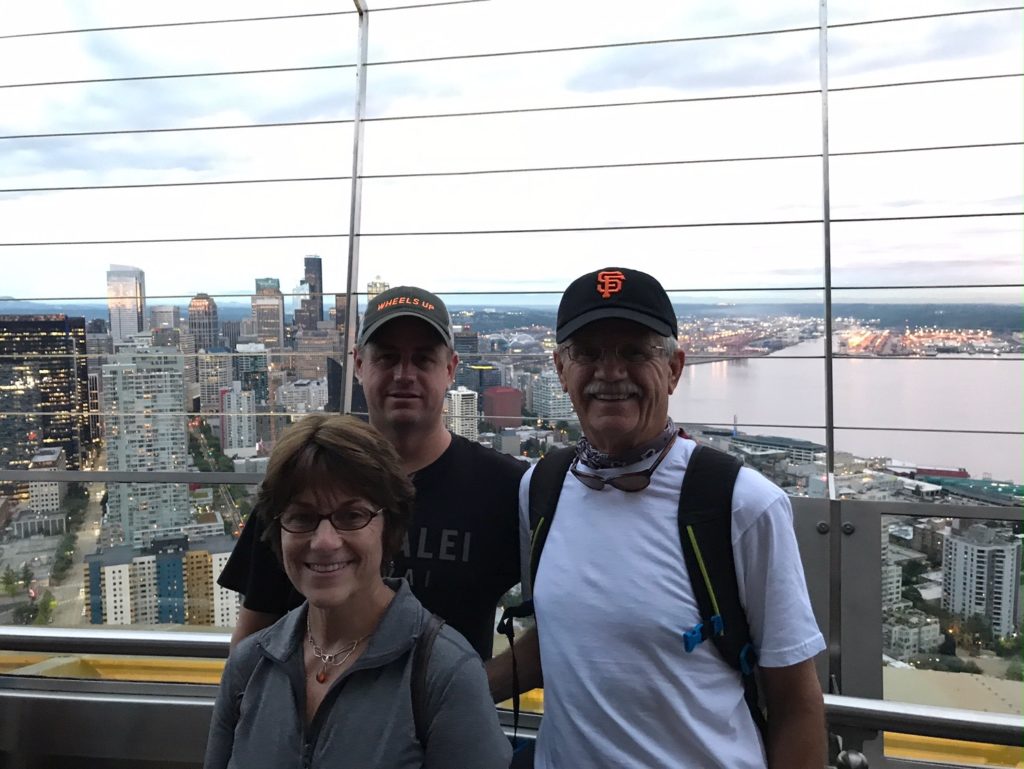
351 677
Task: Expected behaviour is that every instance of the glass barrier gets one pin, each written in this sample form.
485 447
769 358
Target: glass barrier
146 555
951 609
709 177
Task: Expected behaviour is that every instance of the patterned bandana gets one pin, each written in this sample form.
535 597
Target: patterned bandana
598 460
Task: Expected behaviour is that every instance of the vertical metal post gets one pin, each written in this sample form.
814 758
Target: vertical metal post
827 232
835 515
355 207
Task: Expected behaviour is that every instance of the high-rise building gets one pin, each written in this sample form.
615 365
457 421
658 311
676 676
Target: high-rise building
238 420
467 342
214 374
981 569
477 376
303 395
44 391
312 348
374 287
230 331
503 406
461 413
268 313
171 580
549 400
126 301
203 323
311 308
250 367
892 575
164 316
340 313
208 603
46 496
183 343
145 431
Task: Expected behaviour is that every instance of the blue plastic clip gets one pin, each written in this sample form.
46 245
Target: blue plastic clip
691 638
717 625
748 658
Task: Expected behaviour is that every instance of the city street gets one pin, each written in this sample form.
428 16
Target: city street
71 596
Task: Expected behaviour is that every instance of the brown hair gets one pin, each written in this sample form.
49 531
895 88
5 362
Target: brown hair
324 451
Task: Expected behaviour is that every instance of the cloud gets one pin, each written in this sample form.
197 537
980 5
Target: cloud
783 62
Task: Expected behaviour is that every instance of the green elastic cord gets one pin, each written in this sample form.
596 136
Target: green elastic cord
703 570
533 551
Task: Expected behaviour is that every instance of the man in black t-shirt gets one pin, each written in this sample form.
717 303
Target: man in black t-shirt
462 549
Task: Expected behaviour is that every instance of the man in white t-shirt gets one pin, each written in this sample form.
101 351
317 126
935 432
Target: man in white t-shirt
613 596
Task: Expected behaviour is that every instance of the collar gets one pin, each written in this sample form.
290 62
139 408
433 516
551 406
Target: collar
395 635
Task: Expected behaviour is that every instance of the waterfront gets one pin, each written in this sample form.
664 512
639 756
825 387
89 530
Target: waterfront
941 393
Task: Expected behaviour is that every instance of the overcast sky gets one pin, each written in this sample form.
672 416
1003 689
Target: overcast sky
929 252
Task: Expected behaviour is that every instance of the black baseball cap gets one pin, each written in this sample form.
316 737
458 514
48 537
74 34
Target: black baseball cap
405 301
615 292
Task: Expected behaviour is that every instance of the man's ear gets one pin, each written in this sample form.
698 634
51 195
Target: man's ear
357 359
453 365
556 356
675 365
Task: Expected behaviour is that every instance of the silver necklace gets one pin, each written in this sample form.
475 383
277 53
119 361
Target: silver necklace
334 659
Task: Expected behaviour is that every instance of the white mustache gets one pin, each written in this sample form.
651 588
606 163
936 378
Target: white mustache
625 389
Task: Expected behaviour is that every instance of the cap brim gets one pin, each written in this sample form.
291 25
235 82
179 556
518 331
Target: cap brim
620 313
370 330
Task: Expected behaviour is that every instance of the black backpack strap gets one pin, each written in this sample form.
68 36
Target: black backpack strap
418 681
545 488
705 533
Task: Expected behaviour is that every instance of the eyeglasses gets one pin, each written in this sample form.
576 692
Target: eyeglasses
630 352
637 481
303 522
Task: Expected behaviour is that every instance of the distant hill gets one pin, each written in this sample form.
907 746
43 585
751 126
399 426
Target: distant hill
996 317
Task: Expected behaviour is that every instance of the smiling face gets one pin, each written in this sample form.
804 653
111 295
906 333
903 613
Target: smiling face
620 405
405 370
328 566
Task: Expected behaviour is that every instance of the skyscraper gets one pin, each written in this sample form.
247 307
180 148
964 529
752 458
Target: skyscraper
145 431
461 416
268 313
311 309
549 400
478 376
44 390
170 580
126 301
164 316
312 348
503 406
250 367
981 569
376 286
214 374
238 418
202 321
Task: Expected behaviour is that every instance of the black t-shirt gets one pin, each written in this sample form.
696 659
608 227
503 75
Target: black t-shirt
461 553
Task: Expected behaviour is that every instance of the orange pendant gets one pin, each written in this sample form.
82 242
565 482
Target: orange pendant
321 676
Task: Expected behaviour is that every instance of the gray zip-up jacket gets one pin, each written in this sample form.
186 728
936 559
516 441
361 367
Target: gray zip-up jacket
366 719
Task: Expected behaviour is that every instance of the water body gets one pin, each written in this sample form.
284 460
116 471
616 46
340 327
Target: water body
946 393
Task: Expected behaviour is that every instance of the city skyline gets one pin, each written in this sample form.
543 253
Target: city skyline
697 125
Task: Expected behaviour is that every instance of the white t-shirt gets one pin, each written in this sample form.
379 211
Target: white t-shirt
613 599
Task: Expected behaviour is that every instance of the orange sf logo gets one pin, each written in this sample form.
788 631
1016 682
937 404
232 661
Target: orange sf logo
609 282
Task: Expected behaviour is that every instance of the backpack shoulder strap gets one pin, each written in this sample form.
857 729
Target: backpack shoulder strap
418 682
705 533
545 489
